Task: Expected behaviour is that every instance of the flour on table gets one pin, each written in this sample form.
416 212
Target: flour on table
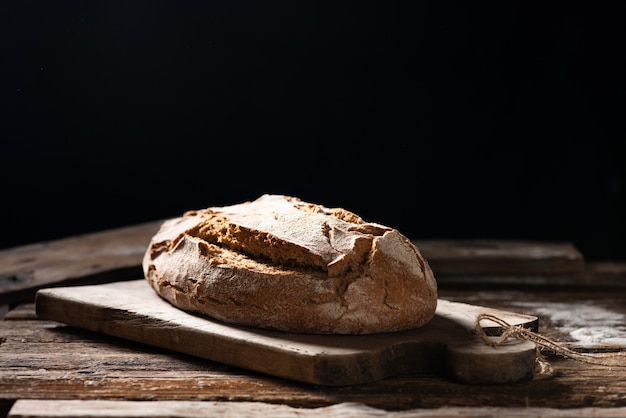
586 323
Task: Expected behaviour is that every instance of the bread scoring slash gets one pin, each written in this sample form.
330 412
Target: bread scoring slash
284 264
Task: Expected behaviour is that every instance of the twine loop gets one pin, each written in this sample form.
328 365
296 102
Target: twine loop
617 359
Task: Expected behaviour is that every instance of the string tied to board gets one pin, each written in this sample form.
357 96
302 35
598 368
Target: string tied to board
615 359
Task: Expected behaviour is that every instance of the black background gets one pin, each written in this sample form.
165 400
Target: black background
442 119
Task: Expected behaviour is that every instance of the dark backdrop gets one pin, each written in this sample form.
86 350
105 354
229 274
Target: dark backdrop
442 119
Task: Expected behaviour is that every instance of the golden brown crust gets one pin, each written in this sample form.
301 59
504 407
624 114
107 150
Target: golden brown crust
280 263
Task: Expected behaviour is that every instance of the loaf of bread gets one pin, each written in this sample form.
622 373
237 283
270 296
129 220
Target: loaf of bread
283 264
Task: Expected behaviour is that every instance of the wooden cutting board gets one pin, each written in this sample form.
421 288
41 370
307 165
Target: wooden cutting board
447 344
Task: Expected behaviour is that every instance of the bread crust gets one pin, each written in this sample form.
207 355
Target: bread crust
283 264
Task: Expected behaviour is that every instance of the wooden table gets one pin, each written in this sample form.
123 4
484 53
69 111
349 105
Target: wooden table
51 369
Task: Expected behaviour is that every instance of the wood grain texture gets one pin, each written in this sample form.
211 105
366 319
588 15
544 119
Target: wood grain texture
132 310
48 360
191 409
21 312
52 361
99 257
500 257
605 274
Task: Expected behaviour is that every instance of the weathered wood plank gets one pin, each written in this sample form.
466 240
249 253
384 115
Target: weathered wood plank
500 257
100 257
132 374
197 409
21 312
607 274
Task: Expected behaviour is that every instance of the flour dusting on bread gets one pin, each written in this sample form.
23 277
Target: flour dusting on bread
280 263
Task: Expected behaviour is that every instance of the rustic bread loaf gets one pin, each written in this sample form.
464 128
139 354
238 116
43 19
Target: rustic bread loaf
284 264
